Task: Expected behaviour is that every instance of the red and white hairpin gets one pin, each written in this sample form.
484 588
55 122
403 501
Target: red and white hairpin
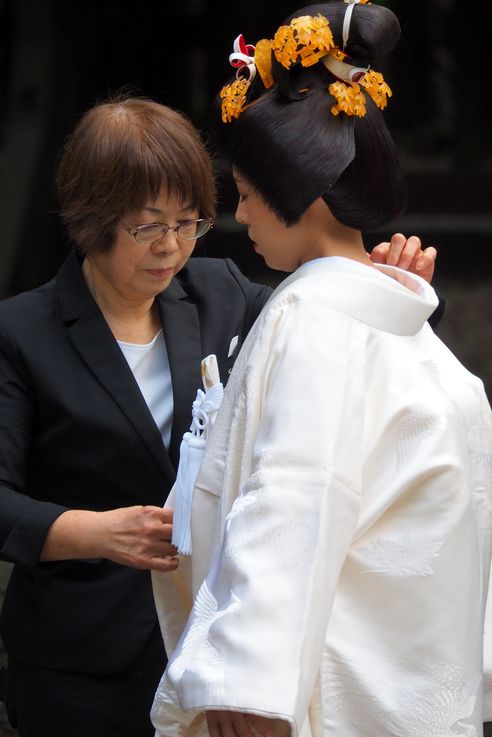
242 59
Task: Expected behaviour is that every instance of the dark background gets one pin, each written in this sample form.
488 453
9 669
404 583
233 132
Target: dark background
58 57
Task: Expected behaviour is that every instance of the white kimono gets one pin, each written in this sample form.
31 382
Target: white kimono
341 524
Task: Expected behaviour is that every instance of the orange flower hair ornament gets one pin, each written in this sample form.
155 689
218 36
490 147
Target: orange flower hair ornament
247 60
306 40
351 77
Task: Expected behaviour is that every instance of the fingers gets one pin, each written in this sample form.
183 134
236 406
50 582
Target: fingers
231 724
213 724
220 724
152 547
397 252
379 253
425 263
400 251
155 518
426 259
152 555
406 254
164 565
140 537
264 726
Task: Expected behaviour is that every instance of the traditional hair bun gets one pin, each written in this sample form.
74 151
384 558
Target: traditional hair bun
373 32
308 125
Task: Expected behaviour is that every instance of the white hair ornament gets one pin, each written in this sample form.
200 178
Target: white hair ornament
348 18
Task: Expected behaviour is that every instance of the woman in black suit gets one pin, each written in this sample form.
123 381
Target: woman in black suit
85 460
98 370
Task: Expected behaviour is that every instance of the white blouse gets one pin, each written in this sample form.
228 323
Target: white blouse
149 363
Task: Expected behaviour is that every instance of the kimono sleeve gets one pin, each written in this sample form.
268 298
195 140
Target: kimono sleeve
255 637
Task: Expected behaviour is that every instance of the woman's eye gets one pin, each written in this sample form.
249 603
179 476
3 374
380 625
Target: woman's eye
243 197
149 228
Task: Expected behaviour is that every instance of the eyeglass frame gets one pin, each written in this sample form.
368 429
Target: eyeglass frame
133 231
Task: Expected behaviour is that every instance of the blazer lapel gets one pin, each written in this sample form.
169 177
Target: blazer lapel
183 341
95 343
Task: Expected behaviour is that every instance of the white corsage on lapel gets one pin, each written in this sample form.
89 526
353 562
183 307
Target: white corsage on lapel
192 450
233 345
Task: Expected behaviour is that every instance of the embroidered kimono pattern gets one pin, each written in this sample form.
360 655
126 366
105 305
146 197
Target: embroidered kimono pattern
340 523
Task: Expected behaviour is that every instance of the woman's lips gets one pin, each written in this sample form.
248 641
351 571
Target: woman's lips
160 273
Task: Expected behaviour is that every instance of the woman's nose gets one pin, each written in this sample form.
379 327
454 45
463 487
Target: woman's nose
168 243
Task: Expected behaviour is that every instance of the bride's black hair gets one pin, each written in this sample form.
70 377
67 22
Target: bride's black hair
292 149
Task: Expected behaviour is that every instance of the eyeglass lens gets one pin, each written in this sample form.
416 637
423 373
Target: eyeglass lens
189 230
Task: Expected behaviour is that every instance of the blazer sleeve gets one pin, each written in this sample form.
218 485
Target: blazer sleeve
24 521
256 295
438 313
255 636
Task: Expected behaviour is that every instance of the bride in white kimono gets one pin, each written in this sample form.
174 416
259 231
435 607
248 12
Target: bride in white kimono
341 519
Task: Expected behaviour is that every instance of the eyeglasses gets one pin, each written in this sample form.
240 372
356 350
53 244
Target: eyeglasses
189 230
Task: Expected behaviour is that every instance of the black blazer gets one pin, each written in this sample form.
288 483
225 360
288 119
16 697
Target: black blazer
75 432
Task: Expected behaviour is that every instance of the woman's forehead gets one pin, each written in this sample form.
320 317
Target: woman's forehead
166 202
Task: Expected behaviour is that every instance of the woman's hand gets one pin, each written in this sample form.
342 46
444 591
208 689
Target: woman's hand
138 536
406 254
240 724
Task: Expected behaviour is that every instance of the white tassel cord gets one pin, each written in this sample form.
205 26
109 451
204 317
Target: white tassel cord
190 459
192 450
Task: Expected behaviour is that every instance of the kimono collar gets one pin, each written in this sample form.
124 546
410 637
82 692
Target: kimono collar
384 297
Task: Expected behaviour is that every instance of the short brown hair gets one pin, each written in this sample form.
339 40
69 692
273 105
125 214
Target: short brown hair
119 156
